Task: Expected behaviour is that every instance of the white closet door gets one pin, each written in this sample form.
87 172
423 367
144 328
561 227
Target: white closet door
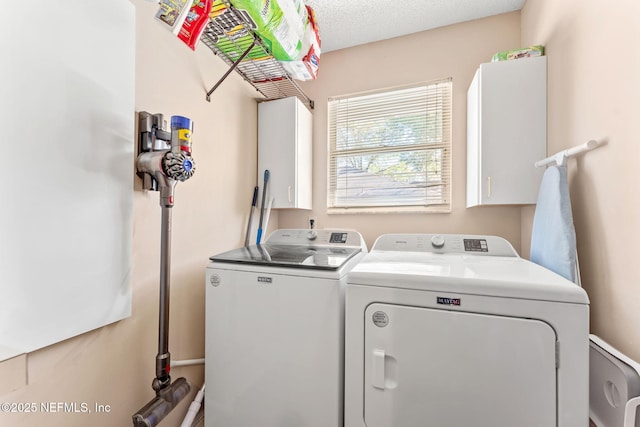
67 115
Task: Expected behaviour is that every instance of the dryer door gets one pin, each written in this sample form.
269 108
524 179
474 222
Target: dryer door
451 369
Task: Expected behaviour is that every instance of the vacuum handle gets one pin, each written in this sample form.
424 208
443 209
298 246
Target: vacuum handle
163 359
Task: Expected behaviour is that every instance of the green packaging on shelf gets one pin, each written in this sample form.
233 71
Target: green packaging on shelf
523 52
230 34
233 49
279 23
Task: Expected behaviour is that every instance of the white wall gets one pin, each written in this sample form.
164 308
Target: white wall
594 93
454 51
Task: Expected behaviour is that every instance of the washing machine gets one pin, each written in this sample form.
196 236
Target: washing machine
275 330
455 330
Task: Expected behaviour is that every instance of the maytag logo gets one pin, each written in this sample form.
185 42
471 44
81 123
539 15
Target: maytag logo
448 301
263 279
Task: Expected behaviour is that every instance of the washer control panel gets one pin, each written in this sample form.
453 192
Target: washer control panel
445 243
316 237
437 241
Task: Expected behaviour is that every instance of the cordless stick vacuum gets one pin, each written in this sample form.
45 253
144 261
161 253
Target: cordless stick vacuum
164 158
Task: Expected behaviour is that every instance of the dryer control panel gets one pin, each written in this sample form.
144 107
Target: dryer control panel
446 244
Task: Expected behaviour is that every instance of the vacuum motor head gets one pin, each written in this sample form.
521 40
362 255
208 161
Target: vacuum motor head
166 399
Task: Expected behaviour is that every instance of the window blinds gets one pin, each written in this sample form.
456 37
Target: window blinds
391 148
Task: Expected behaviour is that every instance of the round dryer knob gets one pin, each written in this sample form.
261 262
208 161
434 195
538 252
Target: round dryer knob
437 241
312 234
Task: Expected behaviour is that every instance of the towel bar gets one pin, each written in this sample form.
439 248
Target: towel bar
561 157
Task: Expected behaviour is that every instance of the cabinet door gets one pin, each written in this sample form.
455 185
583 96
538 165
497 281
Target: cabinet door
507 132
284 148
277 151
473 142
304 157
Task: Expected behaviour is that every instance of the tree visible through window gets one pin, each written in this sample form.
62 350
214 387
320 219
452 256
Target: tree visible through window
391 148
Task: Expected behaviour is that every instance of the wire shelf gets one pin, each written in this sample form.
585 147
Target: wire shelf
229 34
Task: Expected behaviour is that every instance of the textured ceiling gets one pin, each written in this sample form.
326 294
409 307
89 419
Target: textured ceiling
347 23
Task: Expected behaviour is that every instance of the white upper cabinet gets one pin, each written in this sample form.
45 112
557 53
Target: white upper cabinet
284 148
506 132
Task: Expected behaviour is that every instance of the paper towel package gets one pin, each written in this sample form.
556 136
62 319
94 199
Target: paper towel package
524 52
279 23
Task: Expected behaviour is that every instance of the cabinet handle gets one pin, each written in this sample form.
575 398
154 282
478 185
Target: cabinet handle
488 186
289 193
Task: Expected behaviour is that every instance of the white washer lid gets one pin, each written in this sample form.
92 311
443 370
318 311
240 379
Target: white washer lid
299 248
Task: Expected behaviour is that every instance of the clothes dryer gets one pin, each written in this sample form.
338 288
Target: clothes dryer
455 330
275 330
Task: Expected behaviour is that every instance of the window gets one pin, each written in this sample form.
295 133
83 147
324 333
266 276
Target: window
391 148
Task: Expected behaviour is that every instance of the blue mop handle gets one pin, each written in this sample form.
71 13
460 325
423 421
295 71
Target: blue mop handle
264 194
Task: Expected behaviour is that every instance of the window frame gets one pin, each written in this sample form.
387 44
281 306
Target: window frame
444 89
